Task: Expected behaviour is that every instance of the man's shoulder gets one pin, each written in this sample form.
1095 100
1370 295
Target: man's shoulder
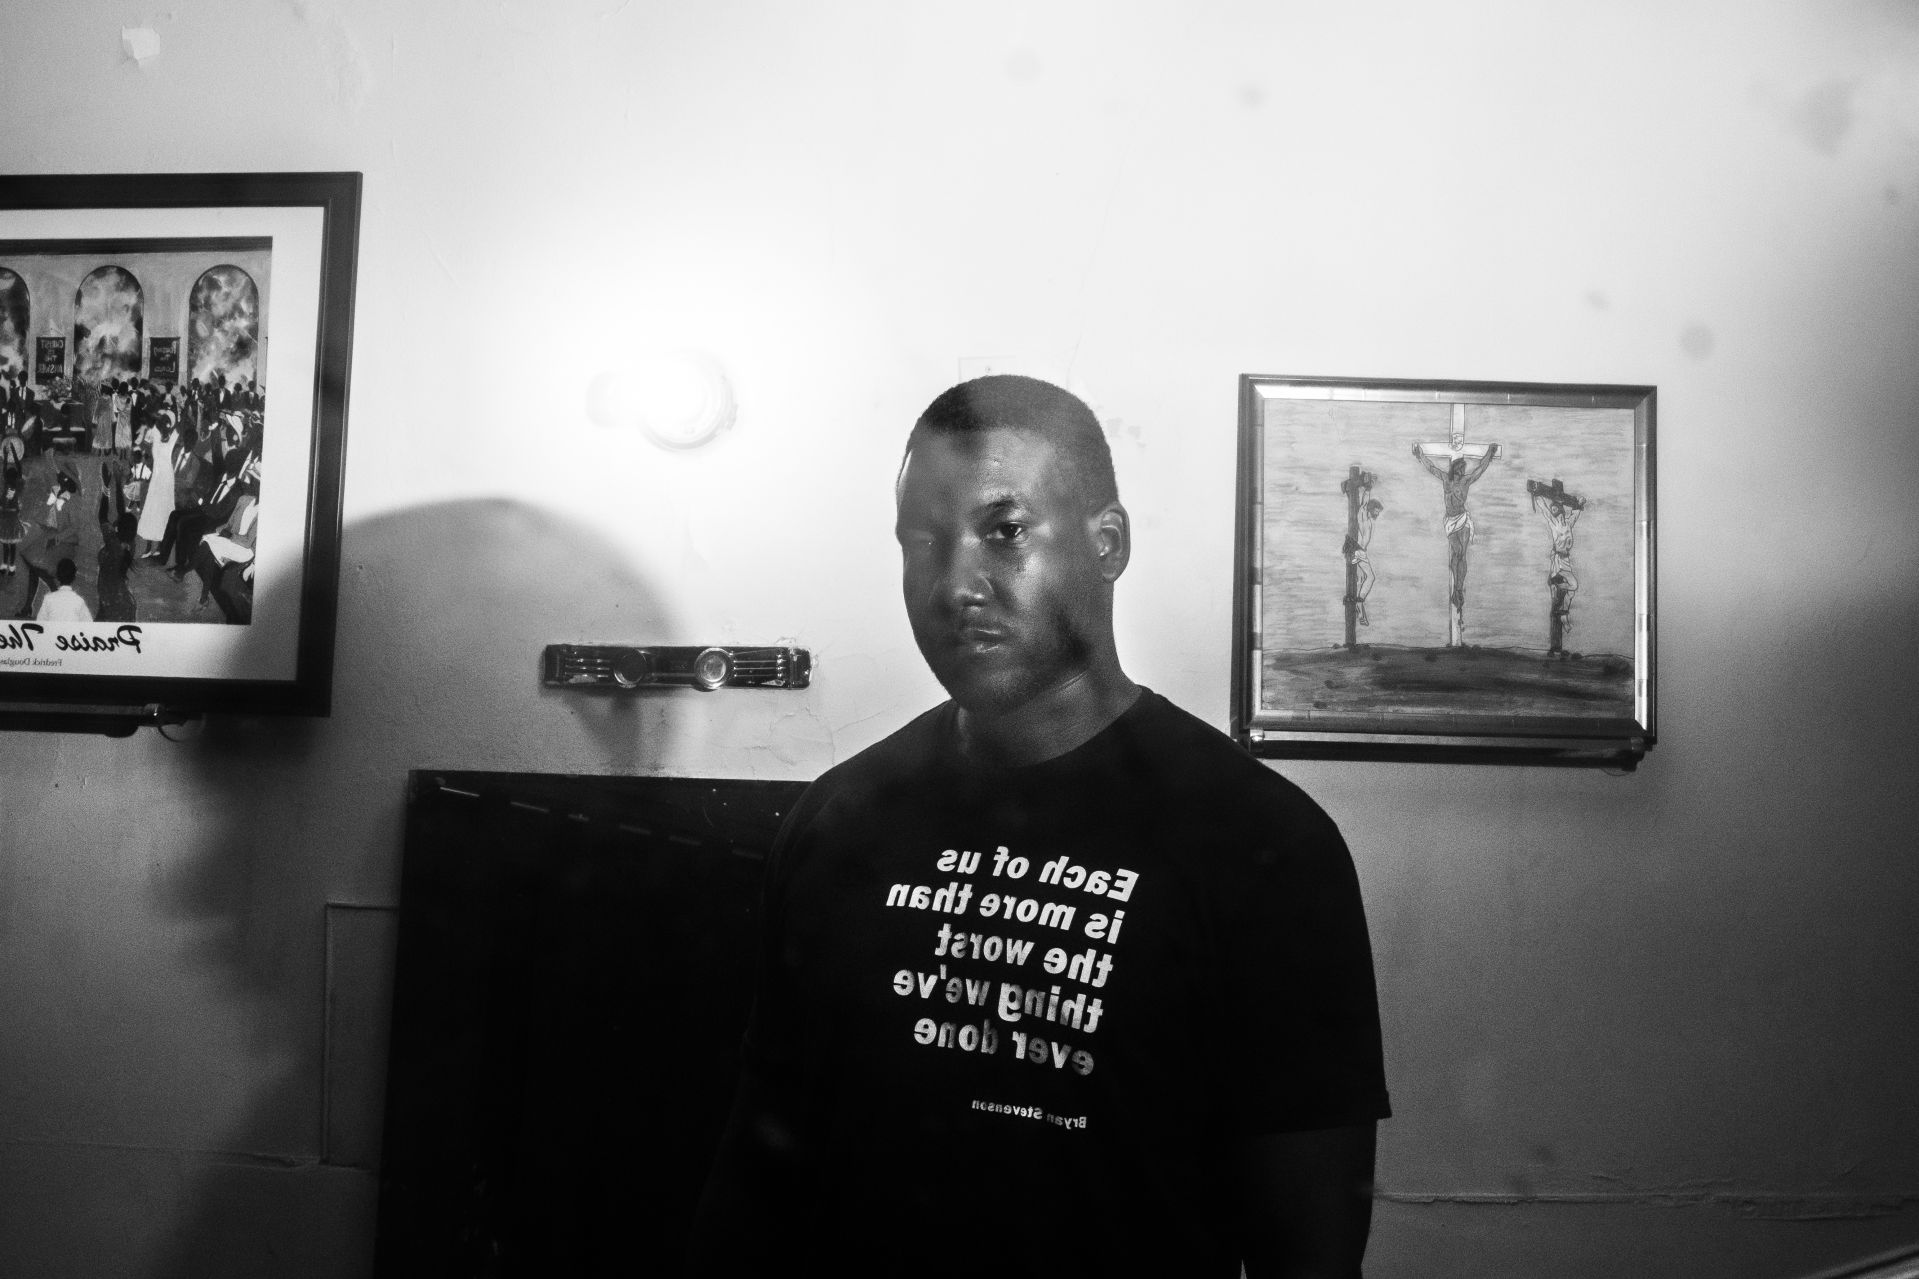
900 764
1210 783
907 752
1194 749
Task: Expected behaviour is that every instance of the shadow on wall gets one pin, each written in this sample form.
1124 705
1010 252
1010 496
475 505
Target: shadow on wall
444 611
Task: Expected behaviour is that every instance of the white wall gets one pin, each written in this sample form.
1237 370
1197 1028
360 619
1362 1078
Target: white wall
1672 1013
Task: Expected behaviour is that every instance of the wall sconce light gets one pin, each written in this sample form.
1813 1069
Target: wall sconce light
679 399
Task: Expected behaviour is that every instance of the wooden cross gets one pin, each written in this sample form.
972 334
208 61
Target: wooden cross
1356 484
1438 459
1555 493
1560 583
1456 446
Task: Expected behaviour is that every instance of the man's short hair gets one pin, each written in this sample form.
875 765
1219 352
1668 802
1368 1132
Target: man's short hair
64 571
1013 402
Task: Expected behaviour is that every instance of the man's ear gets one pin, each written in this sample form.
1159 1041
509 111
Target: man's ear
1112 540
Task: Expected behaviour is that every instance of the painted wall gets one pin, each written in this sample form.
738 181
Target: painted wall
1660 1024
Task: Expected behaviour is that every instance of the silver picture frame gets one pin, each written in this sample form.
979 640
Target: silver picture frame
1445 570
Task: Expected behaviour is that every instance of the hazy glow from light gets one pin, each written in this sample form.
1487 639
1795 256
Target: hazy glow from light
680 399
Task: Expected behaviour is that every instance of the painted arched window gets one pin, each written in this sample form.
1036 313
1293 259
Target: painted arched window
108 323
223 325
16 321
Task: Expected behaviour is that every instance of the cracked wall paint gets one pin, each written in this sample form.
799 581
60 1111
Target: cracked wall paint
347 67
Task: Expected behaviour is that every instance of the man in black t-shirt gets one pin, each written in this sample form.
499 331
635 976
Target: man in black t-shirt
1056 979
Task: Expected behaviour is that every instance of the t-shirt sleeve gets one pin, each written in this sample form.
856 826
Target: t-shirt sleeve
771 1028
1307 1053
757 1191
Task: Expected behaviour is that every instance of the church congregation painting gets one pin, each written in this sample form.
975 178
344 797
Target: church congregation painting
1445 564
134 459
173 361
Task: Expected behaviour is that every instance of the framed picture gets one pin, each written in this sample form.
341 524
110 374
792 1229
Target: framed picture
174 353
1444 570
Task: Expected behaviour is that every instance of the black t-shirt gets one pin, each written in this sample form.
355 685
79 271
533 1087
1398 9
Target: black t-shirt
1010 1019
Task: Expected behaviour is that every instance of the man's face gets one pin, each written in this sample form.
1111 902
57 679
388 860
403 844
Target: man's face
1001 569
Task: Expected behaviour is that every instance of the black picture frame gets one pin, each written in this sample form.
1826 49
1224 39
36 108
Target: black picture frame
280 662
1396 599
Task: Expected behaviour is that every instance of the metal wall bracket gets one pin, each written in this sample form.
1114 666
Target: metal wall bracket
625 667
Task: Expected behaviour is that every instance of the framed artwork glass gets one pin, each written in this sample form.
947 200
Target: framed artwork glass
1444 570
174 354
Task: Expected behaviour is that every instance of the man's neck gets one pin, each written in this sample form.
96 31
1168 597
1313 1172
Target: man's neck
1049 725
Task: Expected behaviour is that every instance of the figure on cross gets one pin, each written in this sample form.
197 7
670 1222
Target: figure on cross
1562 512
1456 465
1362 508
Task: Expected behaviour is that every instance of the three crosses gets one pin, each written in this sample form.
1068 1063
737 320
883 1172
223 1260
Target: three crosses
1457 464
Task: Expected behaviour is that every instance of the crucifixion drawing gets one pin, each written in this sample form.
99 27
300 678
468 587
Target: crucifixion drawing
1456 465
